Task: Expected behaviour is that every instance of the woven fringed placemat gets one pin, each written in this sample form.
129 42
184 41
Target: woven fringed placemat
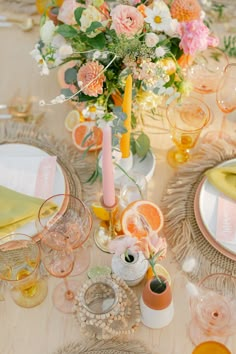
180 227
105 347
77 168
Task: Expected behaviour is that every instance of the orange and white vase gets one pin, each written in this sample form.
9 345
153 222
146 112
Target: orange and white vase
157 309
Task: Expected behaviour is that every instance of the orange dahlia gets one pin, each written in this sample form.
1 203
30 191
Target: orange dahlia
185 10
90 78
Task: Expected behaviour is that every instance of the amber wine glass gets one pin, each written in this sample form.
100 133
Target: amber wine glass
19 268
187 118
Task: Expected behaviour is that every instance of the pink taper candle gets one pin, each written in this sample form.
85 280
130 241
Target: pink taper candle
108 186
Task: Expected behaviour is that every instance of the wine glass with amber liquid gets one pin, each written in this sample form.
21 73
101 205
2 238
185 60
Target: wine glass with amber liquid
19 267
187 118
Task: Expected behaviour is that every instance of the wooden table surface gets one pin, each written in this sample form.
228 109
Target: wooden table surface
43 329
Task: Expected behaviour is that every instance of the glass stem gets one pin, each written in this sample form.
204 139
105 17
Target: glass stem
69 295
222 126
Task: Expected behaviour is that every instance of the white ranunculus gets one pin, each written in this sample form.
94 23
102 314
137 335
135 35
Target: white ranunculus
151 39
47 31
91 14
58 40
65 50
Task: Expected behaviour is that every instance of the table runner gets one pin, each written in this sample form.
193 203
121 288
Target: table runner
180 227
75 165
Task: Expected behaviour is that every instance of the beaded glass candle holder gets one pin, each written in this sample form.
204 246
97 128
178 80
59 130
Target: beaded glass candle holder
106 307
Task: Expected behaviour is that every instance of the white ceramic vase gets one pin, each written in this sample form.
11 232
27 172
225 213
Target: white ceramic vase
131 269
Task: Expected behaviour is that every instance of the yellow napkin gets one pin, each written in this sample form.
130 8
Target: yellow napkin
17 209
224 179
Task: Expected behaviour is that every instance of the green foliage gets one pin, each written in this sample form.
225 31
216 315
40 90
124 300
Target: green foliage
70 75
230 45
140 145
78 13
67 31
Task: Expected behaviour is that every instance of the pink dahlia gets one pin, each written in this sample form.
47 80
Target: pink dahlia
195 36
90 79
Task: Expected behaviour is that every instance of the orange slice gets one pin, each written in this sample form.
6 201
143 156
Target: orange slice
87 135
141 217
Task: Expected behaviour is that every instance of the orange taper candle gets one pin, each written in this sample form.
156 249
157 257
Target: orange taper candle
126 107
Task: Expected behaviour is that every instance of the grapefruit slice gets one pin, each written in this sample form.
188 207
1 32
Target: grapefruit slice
87 135
140 218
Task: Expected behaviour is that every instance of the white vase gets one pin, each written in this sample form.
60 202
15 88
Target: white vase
131 270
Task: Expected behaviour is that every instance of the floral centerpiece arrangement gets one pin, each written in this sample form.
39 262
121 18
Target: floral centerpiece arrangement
102 43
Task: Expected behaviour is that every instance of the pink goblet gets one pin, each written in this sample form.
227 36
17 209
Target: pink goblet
213 309
72 219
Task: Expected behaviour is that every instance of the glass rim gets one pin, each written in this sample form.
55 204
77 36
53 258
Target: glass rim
69 196
194 99
38 258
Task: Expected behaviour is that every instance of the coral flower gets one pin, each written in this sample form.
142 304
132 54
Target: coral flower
90 78
185 10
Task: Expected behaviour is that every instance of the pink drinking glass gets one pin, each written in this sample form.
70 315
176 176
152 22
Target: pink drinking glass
59 262
72 219
213 309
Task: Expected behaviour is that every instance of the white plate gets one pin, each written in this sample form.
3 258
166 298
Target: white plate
208 201
60 184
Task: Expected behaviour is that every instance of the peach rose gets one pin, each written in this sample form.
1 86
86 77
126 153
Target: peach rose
126 20
66 12
88 81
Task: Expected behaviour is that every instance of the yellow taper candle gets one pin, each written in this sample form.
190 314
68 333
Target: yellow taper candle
126 107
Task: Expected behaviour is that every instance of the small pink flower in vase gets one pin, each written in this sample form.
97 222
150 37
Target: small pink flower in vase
152 246
154 249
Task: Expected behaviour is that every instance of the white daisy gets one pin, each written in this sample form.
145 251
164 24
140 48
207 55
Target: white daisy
159 17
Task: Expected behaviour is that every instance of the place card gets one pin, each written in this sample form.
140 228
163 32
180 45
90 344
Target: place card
30 175
226 220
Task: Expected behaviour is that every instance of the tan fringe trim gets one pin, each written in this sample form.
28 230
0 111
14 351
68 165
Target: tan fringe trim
105 347
180 228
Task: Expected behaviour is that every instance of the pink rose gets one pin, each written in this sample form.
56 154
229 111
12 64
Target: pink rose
90 79
66 12
126 20
194 36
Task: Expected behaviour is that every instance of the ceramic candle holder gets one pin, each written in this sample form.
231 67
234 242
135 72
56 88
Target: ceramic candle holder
106 231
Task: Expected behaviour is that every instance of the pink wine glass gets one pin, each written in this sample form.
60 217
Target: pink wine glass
226 101
72 219
59 262
213 309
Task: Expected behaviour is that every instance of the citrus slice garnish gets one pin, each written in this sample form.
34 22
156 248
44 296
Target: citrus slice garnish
161 271
72 119
100 212
87 135
140 218
98 271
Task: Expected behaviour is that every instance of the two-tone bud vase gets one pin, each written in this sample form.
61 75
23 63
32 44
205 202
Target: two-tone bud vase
156 304
130 267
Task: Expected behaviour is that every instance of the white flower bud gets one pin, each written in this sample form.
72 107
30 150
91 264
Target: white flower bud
151 39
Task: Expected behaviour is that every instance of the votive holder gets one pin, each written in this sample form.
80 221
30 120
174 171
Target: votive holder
106 231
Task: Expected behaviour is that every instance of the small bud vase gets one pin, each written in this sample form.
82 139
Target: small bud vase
131 267
157 309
